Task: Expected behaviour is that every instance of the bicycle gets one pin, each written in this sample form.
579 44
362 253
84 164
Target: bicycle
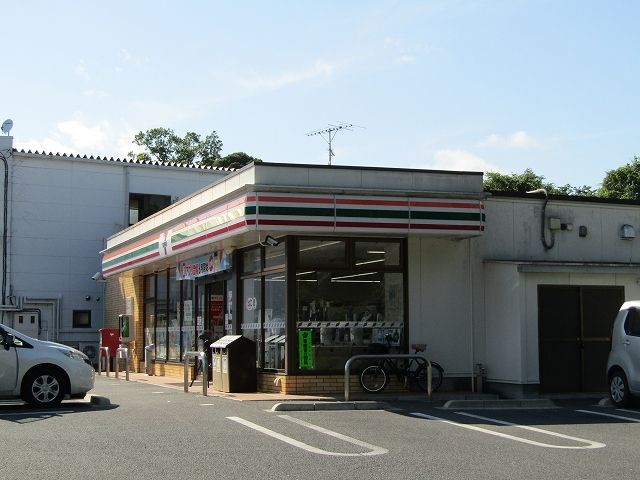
374 378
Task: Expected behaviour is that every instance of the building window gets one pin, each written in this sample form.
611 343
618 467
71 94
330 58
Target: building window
171 315
82 319
264 315
143 205
341 312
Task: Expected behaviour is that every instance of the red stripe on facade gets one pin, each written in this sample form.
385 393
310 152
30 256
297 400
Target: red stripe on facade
128 248
210 213
212 234
444 204
403 226
262 198
302 223
353 201
418 226
132 262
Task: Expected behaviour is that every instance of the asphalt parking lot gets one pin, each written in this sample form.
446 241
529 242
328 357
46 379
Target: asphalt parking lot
157 432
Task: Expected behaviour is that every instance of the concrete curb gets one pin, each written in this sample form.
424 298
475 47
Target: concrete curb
496 404
99 401
327 406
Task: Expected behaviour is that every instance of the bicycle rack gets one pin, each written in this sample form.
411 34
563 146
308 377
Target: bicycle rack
106 359
347 367
205 370
122 352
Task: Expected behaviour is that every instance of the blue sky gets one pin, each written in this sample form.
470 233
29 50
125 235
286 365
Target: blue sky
461 85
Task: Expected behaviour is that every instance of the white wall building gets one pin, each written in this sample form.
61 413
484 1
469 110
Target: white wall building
59 211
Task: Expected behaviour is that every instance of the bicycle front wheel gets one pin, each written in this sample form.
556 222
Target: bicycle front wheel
437 372
373 379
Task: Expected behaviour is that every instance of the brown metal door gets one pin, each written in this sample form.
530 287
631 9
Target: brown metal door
559 336
574 327
599 308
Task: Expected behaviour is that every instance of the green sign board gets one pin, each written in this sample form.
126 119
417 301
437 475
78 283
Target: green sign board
305 350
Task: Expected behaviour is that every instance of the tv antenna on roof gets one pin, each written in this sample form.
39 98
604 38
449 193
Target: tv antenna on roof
329 133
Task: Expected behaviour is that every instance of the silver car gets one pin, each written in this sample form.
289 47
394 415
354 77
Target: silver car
41 373
623 366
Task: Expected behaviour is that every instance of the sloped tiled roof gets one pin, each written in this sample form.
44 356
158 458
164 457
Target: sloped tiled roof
128 160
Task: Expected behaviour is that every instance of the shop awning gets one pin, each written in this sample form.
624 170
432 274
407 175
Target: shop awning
306 213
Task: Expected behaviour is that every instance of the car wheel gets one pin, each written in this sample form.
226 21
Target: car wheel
44 388
619 389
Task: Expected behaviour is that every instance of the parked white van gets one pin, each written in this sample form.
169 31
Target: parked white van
623 366
41 373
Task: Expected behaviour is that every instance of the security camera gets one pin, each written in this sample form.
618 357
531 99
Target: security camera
269 241
97 277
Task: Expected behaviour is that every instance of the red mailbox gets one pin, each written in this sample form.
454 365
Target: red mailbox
110 337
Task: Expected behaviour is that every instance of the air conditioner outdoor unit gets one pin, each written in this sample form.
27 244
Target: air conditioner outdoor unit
90 349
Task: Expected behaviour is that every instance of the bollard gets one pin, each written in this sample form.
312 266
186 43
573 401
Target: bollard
205 373
106 358
119 354
148 364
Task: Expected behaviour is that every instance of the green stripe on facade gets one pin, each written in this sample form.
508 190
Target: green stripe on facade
292 211
460 216
360 213
131 255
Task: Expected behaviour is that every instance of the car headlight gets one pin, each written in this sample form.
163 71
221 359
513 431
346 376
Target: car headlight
73 354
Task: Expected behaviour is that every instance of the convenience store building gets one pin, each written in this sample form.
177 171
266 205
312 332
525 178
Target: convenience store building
315 263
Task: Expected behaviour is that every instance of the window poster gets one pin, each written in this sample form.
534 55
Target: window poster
305 349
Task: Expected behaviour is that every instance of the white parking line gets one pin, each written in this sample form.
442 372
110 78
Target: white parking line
590 444
374 449
619 417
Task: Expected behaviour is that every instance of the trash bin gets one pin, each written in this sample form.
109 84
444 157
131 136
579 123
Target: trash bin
237 362
216 367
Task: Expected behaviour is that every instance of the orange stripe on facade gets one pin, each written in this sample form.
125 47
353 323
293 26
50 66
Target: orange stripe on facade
129 247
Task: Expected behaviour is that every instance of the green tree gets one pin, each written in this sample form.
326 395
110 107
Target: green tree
623 182
528 180
236 160
523 182
165 146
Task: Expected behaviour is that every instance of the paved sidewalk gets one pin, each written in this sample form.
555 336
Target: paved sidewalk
178 384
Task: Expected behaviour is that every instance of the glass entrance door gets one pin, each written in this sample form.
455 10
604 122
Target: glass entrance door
216 308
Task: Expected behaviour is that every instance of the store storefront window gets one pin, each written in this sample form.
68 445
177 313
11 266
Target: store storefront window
375 254
188 319
251 310
315 253
344 311
149 309
275 317
161 316
174 320
252 261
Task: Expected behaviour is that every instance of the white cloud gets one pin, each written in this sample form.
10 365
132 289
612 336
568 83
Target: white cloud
81 70
95 93
79 137
519 139
460 160
404 54
320 69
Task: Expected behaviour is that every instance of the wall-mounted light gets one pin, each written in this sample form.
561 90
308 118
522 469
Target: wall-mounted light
627 232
